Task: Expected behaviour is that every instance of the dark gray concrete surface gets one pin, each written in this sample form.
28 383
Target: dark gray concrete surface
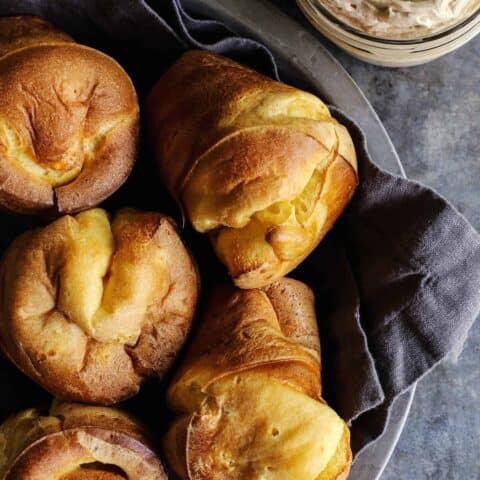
432 113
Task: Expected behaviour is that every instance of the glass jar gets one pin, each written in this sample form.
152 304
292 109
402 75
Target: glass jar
390 52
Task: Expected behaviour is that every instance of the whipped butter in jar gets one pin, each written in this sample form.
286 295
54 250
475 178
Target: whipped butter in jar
395 32
400 19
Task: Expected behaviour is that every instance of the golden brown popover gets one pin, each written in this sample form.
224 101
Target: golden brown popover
261 166
76 442
247 395
69 120
89 307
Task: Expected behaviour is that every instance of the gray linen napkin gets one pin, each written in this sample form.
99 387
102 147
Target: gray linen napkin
397 280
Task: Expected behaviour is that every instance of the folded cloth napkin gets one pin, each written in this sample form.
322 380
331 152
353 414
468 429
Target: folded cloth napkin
397 280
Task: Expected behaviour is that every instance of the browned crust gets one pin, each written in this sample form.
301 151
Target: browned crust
77 415
245 330
231 143
55 454
294 305
87 444
68 108
202 84
26 31
95 370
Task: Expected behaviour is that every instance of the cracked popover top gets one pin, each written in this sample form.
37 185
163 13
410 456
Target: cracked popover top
69 120
90 306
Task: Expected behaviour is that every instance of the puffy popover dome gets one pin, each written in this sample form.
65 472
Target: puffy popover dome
69 120
76 442
247 395
90 307
261 166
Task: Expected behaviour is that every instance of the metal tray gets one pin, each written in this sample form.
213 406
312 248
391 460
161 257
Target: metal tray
303 61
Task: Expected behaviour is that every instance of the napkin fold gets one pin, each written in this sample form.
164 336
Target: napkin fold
397 281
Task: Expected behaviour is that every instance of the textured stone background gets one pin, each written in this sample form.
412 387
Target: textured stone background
432 113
